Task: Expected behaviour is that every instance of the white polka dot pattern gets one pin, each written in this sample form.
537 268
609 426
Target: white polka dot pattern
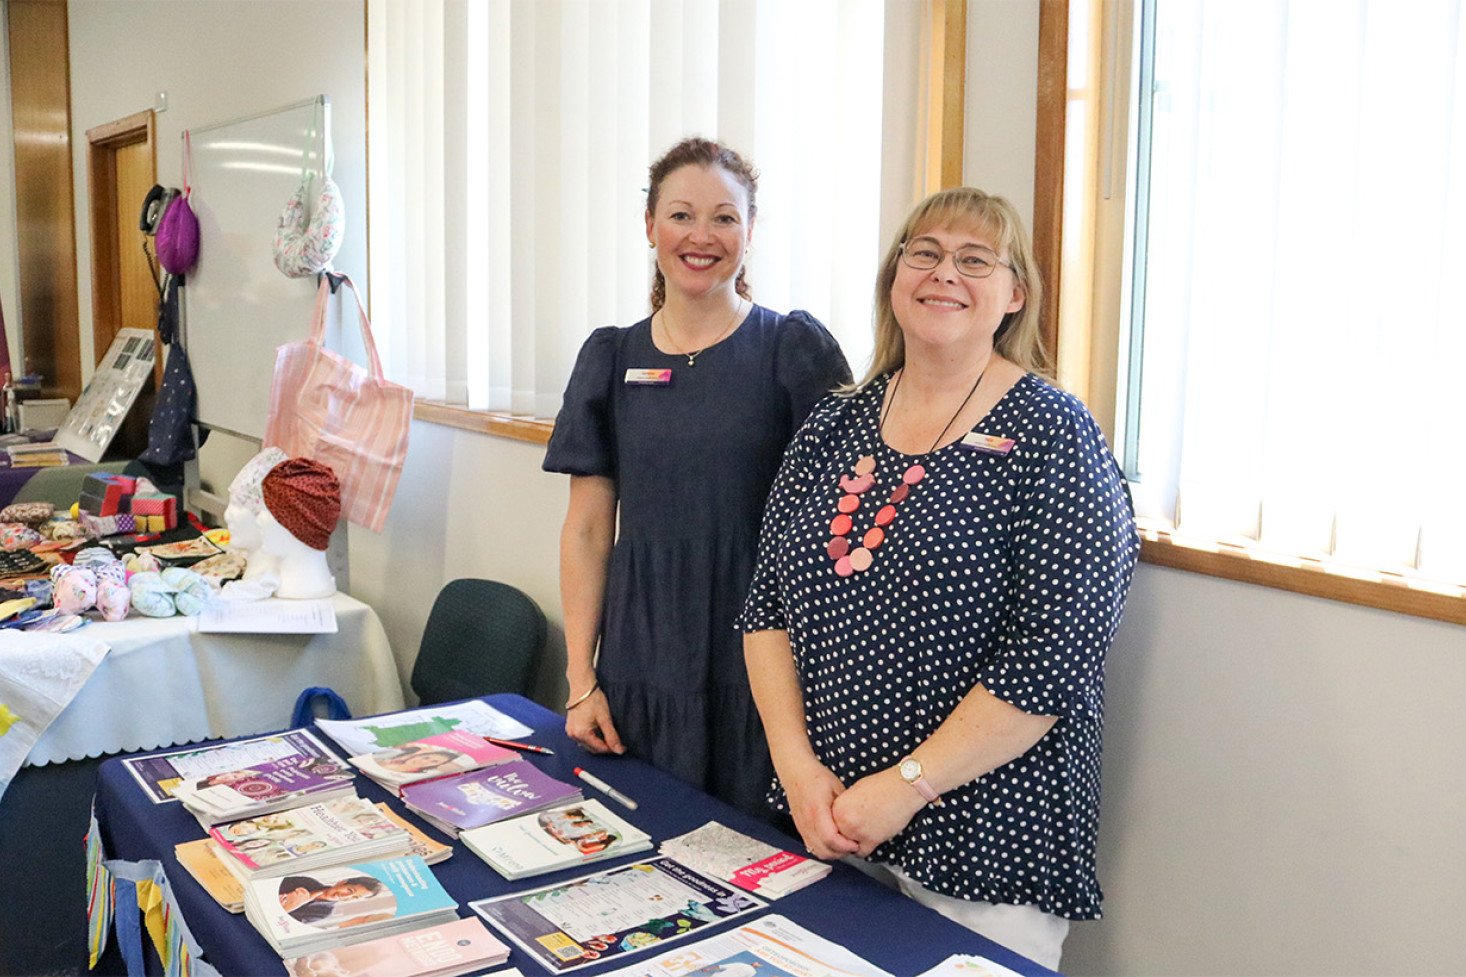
1008 570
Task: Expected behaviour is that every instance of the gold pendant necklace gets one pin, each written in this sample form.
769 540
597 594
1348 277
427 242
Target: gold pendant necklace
692 356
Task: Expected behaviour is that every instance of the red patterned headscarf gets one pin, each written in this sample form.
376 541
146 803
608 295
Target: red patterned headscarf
305 498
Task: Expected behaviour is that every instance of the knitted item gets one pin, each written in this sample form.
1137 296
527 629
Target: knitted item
305 498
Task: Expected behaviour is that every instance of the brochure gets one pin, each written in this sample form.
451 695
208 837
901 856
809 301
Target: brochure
479 797
747 862
440 755
460 947
613 912
558 838
372 733
158 774
771 946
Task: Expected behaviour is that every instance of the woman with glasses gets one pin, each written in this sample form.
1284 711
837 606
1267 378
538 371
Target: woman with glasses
672 430
942 566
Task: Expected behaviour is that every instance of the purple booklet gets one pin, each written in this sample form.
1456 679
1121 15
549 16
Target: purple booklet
482 797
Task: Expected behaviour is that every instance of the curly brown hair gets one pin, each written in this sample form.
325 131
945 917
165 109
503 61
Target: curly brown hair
697 151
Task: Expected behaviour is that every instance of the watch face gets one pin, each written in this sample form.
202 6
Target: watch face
910 770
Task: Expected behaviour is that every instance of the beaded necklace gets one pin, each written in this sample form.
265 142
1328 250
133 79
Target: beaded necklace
851 560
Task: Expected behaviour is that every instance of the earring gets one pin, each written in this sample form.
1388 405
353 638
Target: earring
652 245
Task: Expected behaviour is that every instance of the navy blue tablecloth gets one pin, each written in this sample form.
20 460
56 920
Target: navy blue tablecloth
847 907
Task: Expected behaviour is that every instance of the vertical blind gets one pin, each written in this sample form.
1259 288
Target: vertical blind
509 145
1303 380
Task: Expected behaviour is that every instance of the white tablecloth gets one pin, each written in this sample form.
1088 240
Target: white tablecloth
163 683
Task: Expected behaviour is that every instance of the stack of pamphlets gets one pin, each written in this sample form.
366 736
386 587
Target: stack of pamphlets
348 829
423 847
564 836
717 850
460 947
769 945
324 909
202 859
442 755
470 800
271 785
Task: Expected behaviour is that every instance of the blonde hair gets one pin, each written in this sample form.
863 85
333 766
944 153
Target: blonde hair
1018 338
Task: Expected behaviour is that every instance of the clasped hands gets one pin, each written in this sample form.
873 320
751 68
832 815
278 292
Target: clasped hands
835 821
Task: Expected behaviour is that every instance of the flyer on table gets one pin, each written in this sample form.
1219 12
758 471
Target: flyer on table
609 914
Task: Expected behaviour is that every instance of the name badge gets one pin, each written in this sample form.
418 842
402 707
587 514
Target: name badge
649 377
988 444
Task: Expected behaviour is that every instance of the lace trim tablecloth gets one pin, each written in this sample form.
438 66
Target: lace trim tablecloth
39 676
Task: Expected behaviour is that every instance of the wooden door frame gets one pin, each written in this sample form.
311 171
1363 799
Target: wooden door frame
103 141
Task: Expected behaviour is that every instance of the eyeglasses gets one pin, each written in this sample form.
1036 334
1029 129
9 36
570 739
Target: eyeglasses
974 261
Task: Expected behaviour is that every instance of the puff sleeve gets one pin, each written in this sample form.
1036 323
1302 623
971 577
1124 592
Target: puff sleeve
809 364
584 439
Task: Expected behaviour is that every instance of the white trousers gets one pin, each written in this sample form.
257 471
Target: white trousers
1026 929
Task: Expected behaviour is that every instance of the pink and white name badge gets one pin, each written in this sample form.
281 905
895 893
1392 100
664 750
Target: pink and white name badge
649 377
988 444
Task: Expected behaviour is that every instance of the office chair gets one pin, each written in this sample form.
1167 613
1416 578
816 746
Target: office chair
482 637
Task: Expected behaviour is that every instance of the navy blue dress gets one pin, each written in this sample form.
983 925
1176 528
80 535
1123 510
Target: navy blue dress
1006 569
693 461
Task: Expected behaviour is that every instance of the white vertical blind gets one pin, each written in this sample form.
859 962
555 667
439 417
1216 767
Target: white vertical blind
509 147
1304 377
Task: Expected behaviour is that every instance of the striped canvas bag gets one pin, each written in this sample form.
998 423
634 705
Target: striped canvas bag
326 408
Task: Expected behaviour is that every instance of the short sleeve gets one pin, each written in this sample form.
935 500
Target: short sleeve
584 440
763 609
1074 550
809 365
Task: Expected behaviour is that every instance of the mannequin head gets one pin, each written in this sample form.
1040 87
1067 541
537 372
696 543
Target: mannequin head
246 502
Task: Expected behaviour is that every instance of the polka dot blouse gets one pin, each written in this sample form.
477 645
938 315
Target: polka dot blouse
1008 570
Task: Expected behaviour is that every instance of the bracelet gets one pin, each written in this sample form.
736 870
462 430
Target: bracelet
579 699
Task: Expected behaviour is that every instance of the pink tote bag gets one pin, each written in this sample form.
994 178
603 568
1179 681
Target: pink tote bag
326 408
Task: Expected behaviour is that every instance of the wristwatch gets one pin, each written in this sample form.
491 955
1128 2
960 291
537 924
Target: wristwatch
911 772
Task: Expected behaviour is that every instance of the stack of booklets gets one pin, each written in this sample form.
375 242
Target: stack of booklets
560 837
348 829
460 947
443 755
323 909
203 860
261 788
497 793
717 850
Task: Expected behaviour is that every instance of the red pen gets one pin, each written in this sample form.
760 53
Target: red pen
514 745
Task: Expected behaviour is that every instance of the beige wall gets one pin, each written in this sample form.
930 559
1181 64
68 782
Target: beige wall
1284 791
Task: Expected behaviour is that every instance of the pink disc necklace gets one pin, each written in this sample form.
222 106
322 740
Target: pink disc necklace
850 559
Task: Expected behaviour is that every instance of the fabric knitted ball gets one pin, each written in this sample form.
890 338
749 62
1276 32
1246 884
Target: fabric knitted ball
304 497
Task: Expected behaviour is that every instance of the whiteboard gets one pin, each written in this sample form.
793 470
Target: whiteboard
237 306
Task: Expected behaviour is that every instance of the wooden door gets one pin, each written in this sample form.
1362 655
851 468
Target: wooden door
122 168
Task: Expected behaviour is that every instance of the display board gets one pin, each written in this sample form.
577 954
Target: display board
237 306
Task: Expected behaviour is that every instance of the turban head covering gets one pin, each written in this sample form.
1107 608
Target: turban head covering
244 491
304 497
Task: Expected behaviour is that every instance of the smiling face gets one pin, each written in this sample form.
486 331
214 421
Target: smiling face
700 228
944 312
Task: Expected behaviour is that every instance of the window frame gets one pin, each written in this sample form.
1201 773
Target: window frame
1102 307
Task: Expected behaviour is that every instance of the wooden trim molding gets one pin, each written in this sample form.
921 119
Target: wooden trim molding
535 430
944 96
1048 166
1386 591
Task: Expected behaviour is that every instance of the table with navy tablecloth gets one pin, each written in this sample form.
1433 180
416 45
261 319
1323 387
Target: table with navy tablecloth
847 907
